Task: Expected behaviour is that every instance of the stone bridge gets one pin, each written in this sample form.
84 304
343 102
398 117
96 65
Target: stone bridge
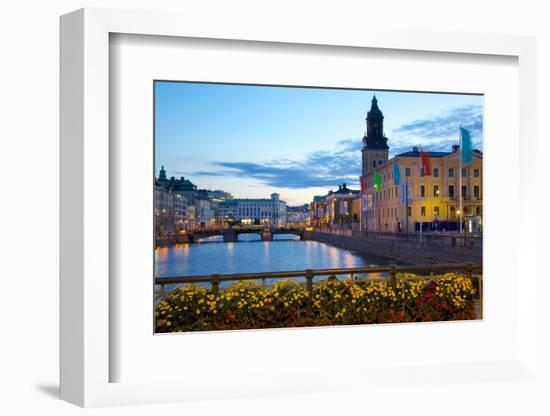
232 234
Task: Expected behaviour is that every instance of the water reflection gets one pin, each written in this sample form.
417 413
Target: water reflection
251 255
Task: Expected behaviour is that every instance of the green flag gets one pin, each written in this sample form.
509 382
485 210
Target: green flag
377 182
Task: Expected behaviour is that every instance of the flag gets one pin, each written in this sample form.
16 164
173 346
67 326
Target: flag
466 142
396 174
426 163
364 202
403 194
343 207
377 182
363 180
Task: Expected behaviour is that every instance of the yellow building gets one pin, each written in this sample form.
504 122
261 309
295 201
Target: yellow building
432 202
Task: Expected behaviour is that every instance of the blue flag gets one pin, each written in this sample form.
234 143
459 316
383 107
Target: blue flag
466 145
396 174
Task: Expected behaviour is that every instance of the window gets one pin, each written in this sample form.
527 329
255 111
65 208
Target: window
451 172
464 172
422 191
476 173
379 162
476 191
407 171
422 172
422 211
464 191
436 172
451 191
453 212
436 190
436 211
478 210
409 211
374 163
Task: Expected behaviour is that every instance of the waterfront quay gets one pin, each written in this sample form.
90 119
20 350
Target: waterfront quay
406 248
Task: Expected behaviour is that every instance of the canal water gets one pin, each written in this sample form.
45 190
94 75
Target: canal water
250 254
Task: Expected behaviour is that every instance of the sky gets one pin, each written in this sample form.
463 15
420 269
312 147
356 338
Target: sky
252 141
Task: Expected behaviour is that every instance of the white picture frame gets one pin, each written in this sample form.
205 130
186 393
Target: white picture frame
86 301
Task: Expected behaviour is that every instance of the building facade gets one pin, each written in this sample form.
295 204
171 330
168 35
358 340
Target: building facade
420 202
341 208
200 204
272 212
170 211
299 216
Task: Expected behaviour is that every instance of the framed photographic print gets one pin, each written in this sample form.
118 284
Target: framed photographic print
281 213
307 253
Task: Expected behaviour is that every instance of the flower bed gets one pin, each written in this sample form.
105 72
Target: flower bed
247 305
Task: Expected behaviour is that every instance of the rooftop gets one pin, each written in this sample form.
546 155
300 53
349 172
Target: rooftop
415 152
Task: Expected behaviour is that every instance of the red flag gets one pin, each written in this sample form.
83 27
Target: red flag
363 180
426 163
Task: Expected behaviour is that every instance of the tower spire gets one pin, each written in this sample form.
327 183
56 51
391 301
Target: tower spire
162 173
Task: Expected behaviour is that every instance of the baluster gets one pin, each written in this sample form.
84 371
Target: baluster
393 273
215 281
309 288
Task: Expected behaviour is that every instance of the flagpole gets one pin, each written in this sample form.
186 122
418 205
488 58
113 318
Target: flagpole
407 203
460 181
362 208
421 170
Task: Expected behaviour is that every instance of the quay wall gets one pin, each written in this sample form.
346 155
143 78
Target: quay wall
402 252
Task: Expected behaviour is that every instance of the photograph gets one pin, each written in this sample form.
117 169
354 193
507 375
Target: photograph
287 206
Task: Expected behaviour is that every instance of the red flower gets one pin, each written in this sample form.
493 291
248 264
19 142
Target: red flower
420 301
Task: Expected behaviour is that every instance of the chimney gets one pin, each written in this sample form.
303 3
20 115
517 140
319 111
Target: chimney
344 186
339 187
455 148
415 149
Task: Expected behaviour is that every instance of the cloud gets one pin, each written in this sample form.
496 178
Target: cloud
318 169
328 169
440 132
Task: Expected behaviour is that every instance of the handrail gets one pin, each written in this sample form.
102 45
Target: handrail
426 268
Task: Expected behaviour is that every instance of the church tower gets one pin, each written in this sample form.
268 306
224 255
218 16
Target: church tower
375 144
162 174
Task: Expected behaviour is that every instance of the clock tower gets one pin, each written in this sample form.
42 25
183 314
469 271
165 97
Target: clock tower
375 144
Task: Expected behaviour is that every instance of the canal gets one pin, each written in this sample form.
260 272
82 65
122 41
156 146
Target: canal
250 255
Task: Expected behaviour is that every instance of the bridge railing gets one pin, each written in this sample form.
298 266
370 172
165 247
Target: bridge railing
441 239
392 269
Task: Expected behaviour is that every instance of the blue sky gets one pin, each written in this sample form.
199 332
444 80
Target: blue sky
300 142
